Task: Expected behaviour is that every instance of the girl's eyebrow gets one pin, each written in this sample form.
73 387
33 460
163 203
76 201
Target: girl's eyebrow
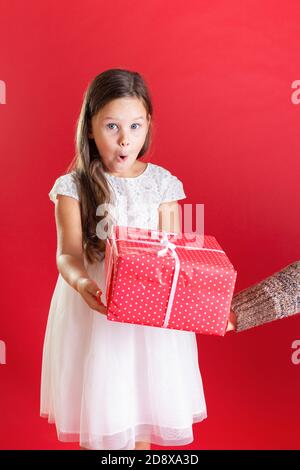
115 119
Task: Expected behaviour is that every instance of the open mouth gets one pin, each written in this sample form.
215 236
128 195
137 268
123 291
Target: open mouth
122 158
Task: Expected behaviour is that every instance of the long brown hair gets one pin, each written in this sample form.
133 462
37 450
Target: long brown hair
87 168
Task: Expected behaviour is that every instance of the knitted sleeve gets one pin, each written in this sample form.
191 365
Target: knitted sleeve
277 296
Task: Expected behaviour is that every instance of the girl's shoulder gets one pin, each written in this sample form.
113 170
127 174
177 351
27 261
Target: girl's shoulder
161 172
65 185
170 186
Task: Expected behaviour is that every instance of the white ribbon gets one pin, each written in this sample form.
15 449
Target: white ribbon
172 246
167 245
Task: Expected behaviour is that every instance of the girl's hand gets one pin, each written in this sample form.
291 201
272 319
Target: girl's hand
91 293
231 322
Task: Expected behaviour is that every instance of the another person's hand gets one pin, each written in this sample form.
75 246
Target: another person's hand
231 322
91 293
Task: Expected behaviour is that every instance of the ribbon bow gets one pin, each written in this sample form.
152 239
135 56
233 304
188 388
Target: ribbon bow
166 242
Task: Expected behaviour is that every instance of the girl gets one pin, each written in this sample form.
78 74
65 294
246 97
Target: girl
105 384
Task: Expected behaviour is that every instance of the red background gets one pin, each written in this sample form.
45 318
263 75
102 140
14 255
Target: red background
220 74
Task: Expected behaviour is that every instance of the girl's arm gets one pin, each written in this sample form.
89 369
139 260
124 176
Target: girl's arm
169 217
69 254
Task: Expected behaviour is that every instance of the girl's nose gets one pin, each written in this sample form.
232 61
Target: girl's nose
124 141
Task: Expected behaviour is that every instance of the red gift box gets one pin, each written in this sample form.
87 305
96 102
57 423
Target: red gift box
179 281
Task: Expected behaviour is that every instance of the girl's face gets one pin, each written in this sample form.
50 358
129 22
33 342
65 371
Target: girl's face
120 128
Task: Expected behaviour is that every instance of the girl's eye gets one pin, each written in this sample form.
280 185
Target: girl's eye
113 124
110 124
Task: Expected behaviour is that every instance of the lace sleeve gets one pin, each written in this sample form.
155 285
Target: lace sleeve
173 189
65 185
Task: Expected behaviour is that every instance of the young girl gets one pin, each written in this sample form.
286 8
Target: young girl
111 385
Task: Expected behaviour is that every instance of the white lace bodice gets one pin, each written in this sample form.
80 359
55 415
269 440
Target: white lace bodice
136 200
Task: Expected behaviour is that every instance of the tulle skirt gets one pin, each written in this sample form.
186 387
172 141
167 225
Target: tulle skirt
108 385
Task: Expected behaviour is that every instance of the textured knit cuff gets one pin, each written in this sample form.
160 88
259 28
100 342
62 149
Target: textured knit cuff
277 296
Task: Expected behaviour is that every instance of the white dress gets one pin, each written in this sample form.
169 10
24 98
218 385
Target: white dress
107 384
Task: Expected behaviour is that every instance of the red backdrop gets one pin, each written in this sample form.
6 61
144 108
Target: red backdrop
226 123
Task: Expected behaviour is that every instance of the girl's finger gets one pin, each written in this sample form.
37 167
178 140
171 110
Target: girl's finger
102 310
93 303
97 305
98 296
